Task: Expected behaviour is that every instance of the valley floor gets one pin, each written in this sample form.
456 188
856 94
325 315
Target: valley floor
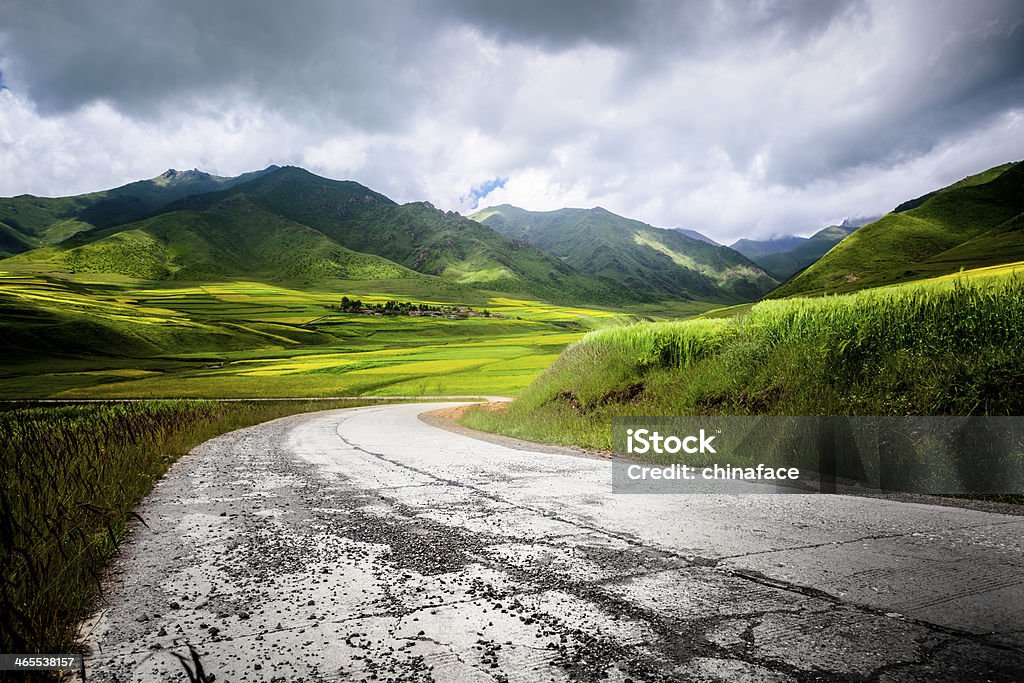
105 337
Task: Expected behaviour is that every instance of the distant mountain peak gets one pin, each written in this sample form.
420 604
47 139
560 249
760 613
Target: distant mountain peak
786 255
665 264
696 235
174 175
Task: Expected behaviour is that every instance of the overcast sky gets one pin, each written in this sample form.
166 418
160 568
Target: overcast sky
732 118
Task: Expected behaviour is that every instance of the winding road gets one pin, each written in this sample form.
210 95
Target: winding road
367 544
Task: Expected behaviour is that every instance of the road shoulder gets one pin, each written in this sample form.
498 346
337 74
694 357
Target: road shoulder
448 419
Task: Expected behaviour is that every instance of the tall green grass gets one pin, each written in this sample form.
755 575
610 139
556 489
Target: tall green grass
672 344
70 476
939 349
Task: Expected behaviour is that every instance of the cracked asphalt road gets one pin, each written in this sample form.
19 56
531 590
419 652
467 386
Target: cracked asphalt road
365 544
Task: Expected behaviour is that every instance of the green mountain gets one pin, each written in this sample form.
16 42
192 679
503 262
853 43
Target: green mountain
13 241
415 235
664 264
978 221
786 256
27 221
288 224
755 249
232 239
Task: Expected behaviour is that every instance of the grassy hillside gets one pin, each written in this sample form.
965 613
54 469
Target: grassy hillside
417 236
232 239
976 222
662 263
949 346
969 181
27 221
12 241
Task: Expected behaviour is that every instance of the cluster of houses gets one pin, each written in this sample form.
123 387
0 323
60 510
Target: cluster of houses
455 313
411 309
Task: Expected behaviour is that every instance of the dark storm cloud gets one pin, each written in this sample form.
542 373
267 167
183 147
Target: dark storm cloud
359 57
665 25
960 68
348 58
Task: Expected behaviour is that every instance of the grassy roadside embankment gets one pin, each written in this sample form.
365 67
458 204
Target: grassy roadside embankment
70 477
947 347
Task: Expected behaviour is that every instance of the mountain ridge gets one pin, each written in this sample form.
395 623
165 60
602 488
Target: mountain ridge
351 226
30 221
183 224
194 246
415 235
976 222
696 235
786 256
663 263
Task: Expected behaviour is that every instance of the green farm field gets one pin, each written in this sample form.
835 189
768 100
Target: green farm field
100 336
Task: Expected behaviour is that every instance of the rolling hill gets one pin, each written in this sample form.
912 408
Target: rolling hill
784 257
286 224
666 264
232 239
415 235
976 222
27 221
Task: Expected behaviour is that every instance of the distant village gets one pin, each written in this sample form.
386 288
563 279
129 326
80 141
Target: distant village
411 309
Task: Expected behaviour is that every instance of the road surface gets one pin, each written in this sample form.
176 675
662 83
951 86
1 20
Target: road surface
365 544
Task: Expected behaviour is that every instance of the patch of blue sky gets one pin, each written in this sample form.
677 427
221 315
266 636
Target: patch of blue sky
478 192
